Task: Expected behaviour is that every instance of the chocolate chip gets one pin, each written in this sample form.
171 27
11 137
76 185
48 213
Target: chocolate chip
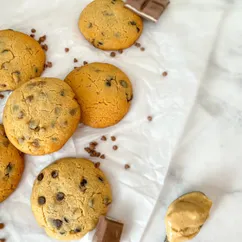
75 60
73 111
40 177
16 76
34 125
113 138
137 44
32 35
3 85
20 115
33 30
90 25
108 83
123 83
97 165
1 96
57 223
132 22
164 73
42 39
21 140
149 118
106 201
91 203
142 49
106 13
83 182
87 149
85 63
138 29
62 93
35 143
54 139
67 49
112 54
100 179
129 98
115 147
103 138
54 174
8 169
60 196
120 51
41 200
100 43
30 98
44 47
77 230
102 156
127 166
1 225
66 220
57 110
62 232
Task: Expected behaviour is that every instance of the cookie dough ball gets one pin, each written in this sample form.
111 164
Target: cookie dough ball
11 166
103 91
108 25
21 59
41 115
68 198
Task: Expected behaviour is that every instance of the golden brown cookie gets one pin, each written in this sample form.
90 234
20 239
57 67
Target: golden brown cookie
108 25
21 59
69 196
41 115
103 91
11 166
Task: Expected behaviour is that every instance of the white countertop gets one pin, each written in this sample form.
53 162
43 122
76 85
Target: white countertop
209 156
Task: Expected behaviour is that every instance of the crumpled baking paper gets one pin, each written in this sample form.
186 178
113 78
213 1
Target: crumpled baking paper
146 146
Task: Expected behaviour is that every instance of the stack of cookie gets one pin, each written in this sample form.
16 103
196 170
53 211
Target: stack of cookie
42 113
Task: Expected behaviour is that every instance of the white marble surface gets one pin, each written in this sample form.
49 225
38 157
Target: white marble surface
209 156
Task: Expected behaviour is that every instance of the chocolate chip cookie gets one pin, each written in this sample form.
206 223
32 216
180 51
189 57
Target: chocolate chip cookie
41 115
103 91
69 196
11 166
108 25
21 59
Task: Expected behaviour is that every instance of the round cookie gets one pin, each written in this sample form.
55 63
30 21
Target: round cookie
11 166
21 59
68 206
103 91
41 115
108 25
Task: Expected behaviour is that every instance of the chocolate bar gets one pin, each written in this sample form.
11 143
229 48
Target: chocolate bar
108 230
150 9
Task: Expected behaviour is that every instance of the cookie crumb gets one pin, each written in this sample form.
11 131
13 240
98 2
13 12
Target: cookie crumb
75 60
115 147
67 49
97 165
137 44
42 39
2 225
149 118
112 54
113 138
120 51
1 96
142 49
127 166
102 156
44 47
164 73
103 138
85 63
33 30
32 35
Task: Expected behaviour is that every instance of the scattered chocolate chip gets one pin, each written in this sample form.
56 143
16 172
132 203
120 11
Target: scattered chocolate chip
41 200
100 179
60 196
54 174
120 51
102 156
138 29
32 35
164 73
49 64
132 22
30 98
91 203
33 30
97 165
112 54
127 166
62 232
20 115
90 25
40 177
123 83
75 67
44 47
142 49
77 230
66 220
3 85
137 44
62 93
129 98
54 139
67 49
100 43
1 96
42 39
93 145
108 83
87 149
106 201
115 147
149 118
8 169
75 60
1 225
85 63
57 223
35 143
113 138
33 125
83 182
103 138
73 111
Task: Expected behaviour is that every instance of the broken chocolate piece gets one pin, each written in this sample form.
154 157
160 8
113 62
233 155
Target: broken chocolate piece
149 9
108 230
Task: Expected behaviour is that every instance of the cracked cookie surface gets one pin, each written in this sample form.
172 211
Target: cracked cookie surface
103 91
21 59
41 115
108 25
69 196
11 166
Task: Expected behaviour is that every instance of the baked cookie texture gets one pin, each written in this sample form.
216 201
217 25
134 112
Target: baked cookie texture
41 115
103 91
21 59
69 196
108 25
11 166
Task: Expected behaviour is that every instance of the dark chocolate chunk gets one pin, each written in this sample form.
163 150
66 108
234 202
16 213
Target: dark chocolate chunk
41 200
40 177
78 230
57 223
54 174
73 111
60 196
30 98
100 179
8 169
83 182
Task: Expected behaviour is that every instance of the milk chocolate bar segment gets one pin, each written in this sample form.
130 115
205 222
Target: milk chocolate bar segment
137 4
